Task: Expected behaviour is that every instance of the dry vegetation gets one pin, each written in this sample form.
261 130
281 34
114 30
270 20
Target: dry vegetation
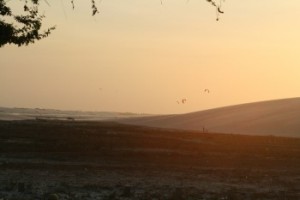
106 160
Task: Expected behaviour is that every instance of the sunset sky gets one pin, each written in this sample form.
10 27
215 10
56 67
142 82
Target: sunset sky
141 56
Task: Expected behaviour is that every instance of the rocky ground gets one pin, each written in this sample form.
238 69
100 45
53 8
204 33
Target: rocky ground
105 160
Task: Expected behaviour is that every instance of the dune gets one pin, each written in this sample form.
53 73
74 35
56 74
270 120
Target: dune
275 117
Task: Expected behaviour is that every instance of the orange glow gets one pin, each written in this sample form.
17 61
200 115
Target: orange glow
145 56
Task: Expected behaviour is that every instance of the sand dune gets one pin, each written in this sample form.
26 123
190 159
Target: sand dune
276 117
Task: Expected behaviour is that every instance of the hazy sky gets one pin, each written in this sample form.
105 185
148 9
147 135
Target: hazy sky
141 56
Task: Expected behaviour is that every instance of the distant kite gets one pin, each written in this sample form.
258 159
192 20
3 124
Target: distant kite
181 101
220 11
207 90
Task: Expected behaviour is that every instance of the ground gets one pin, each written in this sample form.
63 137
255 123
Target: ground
48 159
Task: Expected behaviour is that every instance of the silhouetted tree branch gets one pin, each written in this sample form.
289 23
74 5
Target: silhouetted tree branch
23 29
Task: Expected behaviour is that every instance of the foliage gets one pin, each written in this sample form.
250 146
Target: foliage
26 28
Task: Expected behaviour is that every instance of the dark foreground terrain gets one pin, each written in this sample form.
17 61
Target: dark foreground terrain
105 160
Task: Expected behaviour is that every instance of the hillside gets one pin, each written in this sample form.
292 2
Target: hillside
276 117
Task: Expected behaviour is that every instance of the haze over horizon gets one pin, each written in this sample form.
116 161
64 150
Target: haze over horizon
142 57
148 114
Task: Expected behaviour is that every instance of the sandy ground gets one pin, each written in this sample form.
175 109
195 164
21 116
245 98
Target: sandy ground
92 160
277 117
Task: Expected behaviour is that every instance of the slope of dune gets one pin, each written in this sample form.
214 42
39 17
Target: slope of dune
275 117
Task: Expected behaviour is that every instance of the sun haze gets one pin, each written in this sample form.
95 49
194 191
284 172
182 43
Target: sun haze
148 57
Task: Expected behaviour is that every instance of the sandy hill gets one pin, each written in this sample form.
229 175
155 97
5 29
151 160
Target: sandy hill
276 117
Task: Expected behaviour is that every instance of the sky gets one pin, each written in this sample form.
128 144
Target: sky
140 56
